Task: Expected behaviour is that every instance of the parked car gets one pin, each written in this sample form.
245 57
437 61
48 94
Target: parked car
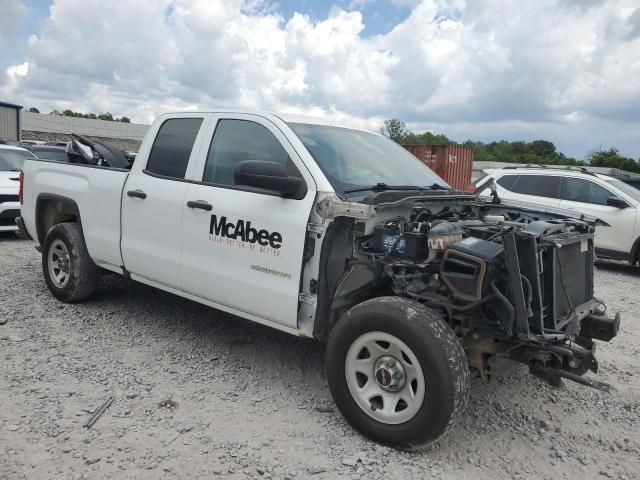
11 161
47 152
634 181
575 189
57 144
30 143
335 233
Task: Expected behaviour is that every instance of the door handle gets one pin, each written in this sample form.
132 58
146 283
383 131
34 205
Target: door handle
199 204
137 194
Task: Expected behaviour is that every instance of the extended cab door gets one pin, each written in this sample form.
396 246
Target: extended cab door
587 196
243 248
153 198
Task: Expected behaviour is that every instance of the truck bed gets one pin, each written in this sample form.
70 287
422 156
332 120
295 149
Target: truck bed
97 193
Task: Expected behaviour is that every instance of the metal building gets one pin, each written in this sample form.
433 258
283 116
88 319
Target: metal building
10 121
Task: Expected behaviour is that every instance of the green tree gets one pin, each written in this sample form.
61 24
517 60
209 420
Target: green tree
106 116
426 138
611 158
34 110
125 120
394 129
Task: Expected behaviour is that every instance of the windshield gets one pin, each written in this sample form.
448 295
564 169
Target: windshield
12 160
51 154
633 192
356 159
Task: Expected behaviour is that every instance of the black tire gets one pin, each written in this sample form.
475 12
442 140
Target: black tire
83 273
441 357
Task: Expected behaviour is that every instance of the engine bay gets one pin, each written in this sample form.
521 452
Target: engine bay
512 282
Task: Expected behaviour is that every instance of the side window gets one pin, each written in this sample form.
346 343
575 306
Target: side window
506 181
599 195
585 191
538 185
238 140
172 147
577 190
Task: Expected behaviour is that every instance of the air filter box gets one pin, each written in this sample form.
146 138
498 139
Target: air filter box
468 266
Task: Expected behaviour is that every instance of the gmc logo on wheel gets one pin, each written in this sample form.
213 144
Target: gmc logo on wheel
243 231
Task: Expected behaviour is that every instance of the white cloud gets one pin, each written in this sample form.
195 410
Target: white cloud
11 18
478 69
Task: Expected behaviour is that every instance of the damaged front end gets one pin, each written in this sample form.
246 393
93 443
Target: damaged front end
514 283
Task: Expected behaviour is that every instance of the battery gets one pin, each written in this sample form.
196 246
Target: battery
408 245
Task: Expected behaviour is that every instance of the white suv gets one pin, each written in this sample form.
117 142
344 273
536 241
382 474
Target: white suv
11 160
581 191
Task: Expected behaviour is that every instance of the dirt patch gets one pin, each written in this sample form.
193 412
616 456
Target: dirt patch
251 402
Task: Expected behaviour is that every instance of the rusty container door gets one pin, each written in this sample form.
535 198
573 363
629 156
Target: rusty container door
452 163
457 166
431 155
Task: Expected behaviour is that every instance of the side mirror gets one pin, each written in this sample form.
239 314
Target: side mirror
269 176
617 202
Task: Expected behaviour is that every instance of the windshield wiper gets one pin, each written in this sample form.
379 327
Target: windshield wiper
437 186
381 187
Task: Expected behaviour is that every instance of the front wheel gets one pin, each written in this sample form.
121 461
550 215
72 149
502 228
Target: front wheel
397 372
68 269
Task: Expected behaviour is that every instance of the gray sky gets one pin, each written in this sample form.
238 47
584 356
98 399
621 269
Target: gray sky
563 70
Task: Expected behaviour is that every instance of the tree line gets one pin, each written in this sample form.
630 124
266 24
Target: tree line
538 152
100 116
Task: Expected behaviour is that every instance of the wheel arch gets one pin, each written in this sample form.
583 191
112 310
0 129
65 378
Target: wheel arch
342 282
53 209
635 252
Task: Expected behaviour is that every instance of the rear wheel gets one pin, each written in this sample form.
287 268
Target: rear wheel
397 372
68 269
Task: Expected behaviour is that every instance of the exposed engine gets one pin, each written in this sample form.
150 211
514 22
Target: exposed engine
511 285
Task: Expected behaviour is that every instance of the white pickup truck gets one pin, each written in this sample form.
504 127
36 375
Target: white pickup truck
335 233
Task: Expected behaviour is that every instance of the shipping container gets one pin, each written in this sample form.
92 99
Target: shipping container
451 162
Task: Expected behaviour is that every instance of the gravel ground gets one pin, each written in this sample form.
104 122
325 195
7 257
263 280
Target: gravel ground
202 394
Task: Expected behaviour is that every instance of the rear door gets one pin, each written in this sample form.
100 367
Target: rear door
153 200
586 196
243 248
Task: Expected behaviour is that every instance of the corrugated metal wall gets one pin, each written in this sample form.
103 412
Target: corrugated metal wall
39 122
9 122
451 162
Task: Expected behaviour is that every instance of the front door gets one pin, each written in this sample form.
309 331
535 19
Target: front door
243 248
584 196
152 204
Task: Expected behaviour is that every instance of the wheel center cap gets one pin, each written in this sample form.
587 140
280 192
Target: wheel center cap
390 374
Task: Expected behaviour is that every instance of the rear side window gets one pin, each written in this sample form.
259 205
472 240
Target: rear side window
538 185
172 147
585 191
506 181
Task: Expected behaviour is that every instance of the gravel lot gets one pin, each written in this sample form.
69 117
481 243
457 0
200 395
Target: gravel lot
202 394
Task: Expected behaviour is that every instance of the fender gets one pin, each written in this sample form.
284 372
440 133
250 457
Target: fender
71 212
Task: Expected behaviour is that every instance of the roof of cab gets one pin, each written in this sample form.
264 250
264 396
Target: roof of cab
285 117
